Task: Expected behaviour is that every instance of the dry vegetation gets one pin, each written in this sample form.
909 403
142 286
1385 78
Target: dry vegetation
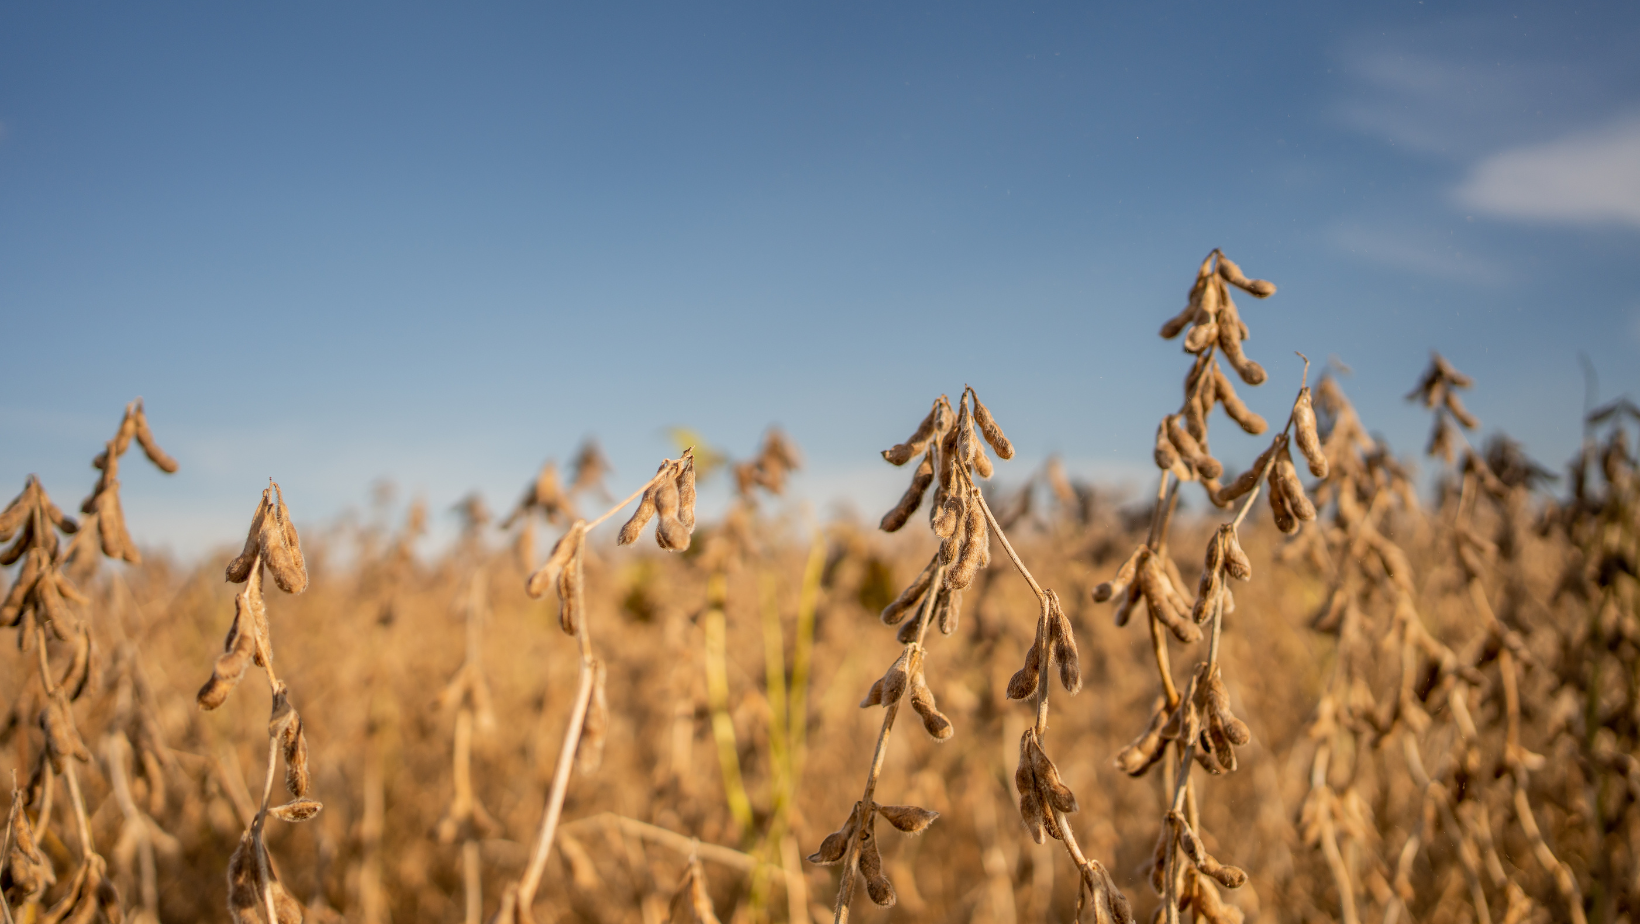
1372 706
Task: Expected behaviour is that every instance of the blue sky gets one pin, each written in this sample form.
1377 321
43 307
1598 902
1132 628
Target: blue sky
332 243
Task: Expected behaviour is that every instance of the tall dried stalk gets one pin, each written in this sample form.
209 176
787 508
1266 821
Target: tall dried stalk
466 820
669 498
949 443
254 889
39 599
1198 722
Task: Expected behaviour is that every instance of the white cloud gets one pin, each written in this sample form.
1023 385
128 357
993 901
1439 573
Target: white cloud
1417 250
1591 177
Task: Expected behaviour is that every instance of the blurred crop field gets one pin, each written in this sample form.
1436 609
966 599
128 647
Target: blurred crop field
1441 687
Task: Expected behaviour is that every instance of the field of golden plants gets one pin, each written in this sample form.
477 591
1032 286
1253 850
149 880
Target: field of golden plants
1312 693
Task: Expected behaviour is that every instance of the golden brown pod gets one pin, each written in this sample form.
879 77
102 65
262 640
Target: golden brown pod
1231 273
240 568
1179 322
281 552
919 440
640 518
150 448
908 598
989 429
1055 793
1236 562
34 565
1154 585
1024 682
1032 810
835 846
1230 345
1166 454
1233 405
908 818
1190 451
562 551
1249 479
922 700
1144 751
1062 642
948 610
871 866
912 498
1124 576
686 496
1279 511
569 593
670 533
1297 501
1201 337
1124 609
231 665
116 541
1306 435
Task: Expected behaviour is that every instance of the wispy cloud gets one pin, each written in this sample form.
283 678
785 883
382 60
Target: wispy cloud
1589 178
1416 250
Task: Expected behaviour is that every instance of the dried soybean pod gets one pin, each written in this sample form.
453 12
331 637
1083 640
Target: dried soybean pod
1249 479
1158 858
569 588
908 818
1191 451
989 429
1230 345
835 846
948 610
1154 584
116 540
1062 639
686 496
922 700
912 498
1460 412
1201 337
1236 562
562 550
871 864
1124 610
17 512
1144 751
670 533
1231 273
1233 405
278 558
150 448
1304 432
240 568
1023 684
926 430
895 682
1165 454
1054 791
1297 502
982 463
974 552
640 518
951 513
27 576
1179 321
230 667
907 600
1124 576
1284 519
287 564
1032 811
